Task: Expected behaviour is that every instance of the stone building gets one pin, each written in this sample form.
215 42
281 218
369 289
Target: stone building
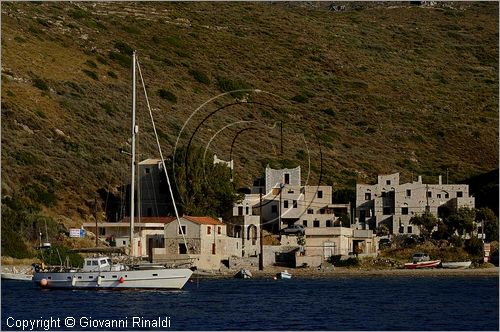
393 204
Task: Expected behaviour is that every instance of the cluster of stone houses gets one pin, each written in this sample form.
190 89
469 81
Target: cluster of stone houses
278 201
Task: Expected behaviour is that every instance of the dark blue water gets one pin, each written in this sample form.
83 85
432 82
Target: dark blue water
350 303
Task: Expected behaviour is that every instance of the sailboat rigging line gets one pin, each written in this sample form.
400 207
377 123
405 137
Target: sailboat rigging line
161 157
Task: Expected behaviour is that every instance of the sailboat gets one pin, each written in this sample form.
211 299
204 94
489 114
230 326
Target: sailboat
101 272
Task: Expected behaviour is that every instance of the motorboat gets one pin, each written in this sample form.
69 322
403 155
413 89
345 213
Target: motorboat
100 272
243 274
284 275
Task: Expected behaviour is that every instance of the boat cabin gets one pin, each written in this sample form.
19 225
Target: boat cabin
97 264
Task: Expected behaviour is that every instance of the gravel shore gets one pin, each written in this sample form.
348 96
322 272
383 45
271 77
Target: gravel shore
312 273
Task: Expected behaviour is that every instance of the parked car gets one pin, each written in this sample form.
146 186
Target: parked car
294 229
420 257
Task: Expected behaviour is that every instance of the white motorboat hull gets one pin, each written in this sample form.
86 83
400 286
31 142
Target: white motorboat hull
456 265
284 275
146 279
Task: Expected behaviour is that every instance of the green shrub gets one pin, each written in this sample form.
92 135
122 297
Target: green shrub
227 85
174 41
167 95
329 111
123 60
91 63
40 84
132 29
199 76
91 74
112 74
474 246
300 98
102 60
79 14
25 158
350 262
41 114
124 48
59 254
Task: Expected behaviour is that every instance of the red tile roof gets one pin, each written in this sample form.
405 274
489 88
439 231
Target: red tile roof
203 220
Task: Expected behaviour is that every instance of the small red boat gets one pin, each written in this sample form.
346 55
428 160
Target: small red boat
422 265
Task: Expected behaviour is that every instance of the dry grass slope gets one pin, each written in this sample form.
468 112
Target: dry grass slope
382 89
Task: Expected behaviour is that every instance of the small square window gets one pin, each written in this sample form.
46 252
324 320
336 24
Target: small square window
218 230
460 194
388 182
429 194
446 195
209 230
320 194
310 211
304 222
285 204
438 195
368 196
146 171
316 223
410 230
408 193
329 223
404 210
182 230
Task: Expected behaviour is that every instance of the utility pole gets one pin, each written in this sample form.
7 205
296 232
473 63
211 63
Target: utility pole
281 135
261 257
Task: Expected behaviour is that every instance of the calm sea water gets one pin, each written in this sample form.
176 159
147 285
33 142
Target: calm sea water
347 303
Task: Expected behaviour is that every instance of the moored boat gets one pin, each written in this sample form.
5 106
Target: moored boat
243 274
100 272
17 276
422 265
456 265
284 275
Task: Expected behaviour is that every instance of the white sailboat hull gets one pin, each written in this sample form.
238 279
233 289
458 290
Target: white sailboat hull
145 279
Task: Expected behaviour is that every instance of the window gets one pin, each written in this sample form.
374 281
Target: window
155 274
90 277
408 192
320 194
310 211
124 242
438 195
329 223
294 204
247 210
94 263
146 171
89 263
321 211
285 204
240 210
429 194
182 248
368 196
218 230
386 210
404 210
209 230
102 261
316 223
114 277
410 230
460 194
287 178
290 191
446 195
304 222
388 182
213 248
182 230
401 229
274 208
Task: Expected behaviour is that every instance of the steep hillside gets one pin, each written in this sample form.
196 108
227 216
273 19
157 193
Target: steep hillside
362 91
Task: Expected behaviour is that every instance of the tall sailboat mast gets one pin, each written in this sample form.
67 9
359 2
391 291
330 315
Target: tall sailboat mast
132 184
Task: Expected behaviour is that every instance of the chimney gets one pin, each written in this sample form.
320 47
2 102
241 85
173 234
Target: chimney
440 179
419 179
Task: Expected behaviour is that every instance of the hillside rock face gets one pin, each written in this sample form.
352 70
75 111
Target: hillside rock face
357 92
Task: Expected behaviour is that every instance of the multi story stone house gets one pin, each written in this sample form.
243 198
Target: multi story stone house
285 202
393 204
